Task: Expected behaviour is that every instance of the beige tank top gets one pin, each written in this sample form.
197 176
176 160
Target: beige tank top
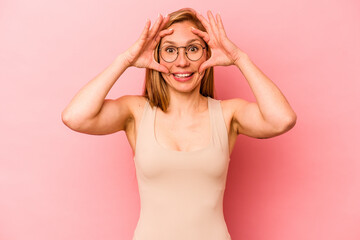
181 193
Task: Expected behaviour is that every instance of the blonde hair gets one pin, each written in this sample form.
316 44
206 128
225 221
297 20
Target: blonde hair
155 88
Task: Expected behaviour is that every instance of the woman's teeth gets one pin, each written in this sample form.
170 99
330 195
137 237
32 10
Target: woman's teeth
183 75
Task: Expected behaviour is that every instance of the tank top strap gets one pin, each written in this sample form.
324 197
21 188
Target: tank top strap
220 134
145 127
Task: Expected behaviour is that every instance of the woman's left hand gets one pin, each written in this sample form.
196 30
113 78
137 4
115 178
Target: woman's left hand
223 51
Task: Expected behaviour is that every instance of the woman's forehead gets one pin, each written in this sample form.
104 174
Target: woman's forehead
182 34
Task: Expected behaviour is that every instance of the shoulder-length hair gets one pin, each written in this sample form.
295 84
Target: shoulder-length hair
155 88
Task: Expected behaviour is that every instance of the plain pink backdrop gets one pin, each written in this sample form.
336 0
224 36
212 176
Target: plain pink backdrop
59 184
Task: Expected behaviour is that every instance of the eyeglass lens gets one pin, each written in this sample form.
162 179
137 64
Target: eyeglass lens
170 53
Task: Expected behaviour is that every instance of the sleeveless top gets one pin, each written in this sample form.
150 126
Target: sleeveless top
181 192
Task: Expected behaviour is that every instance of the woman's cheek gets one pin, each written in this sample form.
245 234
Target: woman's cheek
166 75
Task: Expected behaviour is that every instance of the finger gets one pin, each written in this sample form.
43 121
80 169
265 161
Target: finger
156 26
165 20
205 65
220 25
162 34
213 23
203 35
204 22
145 31
161 27
165 32
158 67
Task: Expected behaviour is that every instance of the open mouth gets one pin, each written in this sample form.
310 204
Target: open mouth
183 75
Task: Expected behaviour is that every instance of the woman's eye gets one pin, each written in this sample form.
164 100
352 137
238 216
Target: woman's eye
170 50
193 48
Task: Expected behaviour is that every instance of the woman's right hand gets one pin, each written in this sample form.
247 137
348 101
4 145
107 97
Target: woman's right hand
141 53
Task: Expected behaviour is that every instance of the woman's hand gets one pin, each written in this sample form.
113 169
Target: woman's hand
223 51
141 53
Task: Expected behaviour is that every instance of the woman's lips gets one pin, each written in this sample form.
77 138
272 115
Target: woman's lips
182 77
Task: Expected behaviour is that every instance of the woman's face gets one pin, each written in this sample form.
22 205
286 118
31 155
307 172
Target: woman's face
183 73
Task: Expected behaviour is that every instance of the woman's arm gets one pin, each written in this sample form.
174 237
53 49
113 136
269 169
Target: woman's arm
271 115
87 103
89 111
276 114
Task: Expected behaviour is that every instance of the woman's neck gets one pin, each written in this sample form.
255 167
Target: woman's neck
186 104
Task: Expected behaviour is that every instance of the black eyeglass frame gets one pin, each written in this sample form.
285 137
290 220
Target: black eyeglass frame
177 52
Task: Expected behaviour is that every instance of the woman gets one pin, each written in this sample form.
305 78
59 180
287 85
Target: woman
181 136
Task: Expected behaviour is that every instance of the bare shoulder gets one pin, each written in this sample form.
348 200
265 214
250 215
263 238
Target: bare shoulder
232 104
229 106
135 104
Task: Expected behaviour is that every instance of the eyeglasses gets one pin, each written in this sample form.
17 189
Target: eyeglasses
193 52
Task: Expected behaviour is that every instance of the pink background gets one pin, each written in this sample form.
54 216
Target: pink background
59 184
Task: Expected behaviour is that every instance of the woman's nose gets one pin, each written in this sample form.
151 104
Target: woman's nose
182 60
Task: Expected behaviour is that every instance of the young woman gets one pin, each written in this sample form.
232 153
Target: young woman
182 137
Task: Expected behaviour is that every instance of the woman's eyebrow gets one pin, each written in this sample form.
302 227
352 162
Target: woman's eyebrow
190 41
